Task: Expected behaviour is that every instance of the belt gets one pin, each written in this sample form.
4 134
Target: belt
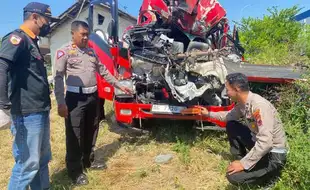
83 90
279 150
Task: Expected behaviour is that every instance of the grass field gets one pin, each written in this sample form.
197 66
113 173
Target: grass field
196 163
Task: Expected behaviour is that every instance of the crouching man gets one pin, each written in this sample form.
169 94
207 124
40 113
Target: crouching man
261 133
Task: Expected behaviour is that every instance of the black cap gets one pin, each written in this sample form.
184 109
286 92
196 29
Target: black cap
42 9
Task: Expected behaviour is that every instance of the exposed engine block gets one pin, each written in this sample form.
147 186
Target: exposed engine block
159 74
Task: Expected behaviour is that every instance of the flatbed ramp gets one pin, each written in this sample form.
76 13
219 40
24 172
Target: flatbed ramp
265 73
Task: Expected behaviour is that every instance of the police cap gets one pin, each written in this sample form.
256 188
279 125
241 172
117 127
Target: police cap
42 9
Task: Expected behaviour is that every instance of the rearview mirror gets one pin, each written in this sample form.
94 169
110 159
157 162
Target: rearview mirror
110 28
103 35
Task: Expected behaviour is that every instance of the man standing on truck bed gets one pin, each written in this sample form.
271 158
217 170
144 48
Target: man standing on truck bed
22 70
80 109
262 134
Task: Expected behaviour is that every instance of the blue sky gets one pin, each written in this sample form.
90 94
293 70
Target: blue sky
11 10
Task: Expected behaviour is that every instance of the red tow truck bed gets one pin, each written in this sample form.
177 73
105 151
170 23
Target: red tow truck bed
265 73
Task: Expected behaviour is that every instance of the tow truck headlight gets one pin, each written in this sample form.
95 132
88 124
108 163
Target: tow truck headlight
107 89
125 112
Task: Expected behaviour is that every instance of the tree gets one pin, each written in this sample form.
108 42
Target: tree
274 39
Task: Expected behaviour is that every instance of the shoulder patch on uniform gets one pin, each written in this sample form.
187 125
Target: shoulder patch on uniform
60 53
257 117
15 40
256 112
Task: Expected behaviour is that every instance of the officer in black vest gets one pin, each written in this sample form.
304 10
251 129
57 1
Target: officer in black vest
27 97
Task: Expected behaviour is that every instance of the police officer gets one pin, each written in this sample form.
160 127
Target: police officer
261 133
79 64
22 70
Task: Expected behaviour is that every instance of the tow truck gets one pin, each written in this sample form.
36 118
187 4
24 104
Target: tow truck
166 81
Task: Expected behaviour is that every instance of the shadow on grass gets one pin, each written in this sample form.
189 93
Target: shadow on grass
160 130
171 131
107 151
61 181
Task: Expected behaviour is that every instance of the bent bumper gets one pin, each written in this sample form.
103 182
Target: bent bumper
126 112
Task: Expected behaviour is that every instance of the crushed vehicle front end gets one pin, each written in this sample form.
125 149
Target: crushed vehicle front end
165 80
167 69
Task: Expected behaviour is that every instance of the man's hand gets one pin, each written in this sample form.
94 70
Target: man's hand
63 110
203 110
5 119
126 90
197 110
235 167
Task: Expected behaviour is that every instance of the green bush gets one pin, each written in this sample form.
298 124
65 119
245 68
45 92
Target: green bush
303 42
294 108
276 39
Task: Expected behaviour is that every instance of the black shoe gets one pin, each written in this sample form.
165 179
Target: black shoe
81 180
102 122
98 166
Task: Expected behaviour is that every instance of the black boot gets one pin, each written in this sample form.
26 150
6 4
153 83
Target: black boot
81 180
98 166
